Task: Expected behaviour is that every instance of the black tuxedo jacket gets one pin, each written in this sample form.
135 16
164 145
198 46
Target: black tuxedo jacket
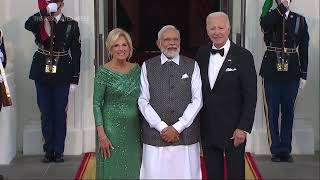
232 101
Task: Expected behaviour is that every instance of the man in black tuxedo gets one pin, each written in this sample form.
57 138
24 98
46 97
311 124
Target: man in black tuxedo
229 99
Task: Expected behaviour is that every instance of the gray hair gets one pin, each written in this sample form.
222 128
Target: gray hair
166 27
219 14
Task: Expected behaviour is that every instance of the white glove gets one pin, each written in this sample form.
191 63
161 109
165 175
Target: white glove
302 83
52 7
73 87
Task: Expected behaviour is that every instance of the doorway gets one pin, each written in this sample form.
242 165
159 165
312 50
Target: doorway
144 18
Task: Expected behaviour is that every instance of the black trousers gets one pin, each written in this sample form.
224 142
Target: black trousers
280 97
235 162
52 101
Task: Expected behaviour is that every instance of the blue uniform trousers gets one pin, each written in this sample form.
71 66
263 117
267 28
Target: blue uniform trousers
52 101
280 97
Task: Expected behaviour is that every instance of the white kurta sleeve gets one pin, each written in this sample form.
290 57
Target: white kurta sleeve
146 109
196 102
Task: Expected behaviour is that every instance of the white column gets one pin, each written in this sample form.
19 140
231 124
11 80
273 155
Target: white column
254 42
307 106
80 115
86 9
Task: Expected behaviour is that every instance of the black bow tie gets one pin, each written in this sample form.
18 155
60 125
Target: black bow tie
215 51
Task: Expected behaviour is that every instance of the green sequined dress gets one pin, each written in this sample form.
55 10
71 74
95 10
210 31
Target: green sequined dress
115 107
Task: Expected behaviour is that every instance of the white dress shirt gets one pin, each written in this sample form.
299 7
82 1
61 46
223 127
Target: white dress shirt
287 14
58 17
215 63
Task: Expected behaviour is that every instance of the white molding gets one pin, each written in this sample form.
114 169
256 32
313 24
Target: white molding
32 140
302 140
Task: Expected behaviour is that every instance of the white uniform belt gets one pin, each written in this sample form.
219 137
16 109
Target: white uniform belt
55 53
285 50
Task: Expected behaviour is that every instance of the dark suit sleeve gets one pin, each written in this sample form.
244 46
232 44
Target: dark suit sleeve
248 87
75 54
198 54
303 49
33 22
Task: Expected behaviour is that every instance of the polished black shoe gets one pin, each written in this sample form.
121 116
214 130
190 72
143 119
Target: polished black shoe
48 157
1 177
275 158
58 158
286 158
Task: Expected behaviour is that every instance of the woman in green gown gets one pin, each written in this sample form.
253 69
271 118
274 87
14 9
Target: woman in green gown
116 90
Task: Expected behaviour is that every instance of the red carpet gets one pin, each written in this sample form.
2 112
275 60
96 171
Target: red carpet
87 168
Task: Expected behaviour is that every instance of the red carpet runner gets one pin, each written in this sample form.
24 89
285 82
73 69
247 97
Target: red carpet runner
87 168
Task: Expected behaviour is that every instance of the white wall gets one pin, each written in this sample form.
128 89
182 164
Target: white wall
308 104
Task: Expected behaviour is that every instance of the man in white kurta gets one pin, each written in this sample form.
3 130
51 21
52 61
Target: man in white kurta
170 100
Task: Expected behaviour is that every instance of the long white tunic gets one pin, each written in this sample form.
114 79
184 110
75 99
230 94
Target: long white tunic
171 162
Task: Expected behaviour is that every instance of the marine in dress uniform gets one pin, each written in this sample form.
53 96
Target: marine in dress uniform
284 71
55 70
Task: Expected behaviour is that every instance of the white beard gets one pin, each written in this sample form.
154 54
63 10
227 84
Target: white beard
170 54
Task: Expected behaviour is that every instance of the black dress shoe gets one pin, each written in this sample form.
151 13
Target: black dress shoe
286 158
58 158
48 157
275 158
1 177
